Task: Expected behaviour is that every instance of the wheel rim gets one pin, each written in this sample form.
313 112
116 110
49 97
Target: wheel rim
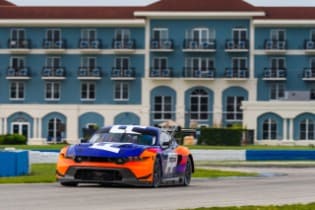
188 173
156 174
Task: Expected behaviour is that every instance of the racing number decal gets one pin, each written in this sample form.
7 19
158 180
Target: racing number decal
171 163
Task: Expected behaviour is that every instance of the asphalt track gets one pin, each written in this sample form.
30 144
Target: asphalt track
276 186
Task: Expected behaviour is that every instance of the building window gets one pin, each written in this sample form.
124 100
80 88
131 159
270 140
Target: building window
239 63
239 34
121 91
307 129
162 107
88 62
277 91
122 34
269 129
122 63
201 34
312 35
52 91
233 108
87 91
160 63
278 63
53 34
312 93
17 62
199 105
17 90
53 62
160 34
278 35
88 34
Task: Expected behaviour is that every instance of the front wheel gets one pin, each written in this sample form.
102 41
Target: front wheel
157 175
188 172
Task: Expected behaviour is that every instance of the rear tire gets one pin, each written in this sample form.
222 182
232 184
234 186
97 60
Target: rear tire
157 174
188 172
69 184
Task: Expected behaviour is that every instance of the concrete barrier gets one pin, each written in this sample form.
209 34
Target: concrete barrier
285 155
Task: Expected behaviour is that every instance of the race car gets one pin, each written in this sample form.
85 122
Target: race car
126 155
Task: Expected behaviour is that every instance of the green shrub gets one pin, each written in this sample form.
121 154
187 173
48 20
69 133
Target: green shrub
221 136
13 139
1 139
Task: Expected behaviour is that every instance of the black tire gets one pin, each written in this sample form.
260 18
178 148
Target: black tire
188 172
157 173
69 184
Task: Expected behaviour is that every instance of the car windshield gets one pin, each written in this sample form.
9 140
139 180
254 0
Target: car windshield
135 138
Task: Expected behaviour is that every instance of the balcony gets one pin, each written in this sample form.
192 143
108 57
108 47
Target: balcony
161 73
236 45
89 73
203 45
22 73
124 46
19 46
275 46
53 73
90 46
236 74
271 74
191 73
54 46
309 74
123 74
162 45
309 46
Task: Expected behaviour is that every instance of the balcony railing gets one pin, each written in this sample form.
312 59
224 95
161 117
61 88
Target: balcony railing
18 72
53 71
18 43
89 44
123 73
309 74
309 45
124 44
236 73
275 44
161 72
54 44
274 74
89 72
202 44
162 44
191 72
236 44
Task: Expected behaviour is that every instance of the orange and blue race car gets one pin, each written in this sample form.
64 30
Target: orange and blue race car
126 155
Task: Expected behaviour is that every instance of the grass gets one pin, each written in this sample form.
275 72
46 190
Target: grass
41 173
36 147
283 207
45 173
210 173
255 147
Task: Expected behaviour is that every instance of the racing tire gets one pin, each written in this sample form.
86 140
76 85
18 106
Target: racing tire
69 184
188 172
157 174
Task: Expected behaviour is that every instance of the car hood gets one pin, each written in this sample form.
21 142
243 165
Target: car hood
104 149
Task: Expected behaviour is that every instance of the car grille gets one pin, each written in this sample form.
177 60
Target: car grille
98 175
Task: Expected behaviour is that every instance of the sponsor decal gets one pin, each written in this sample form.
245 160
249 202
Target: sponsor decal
110 147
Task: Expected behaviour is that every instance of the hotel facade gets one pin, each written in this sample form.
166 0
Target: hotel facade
215 63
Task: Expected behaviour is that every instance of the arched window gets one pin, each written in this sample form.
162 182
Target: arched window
307 129
270 129
55 130
199 105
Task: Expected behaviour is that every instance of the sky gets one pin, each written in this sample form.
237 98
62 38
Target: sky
146 2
